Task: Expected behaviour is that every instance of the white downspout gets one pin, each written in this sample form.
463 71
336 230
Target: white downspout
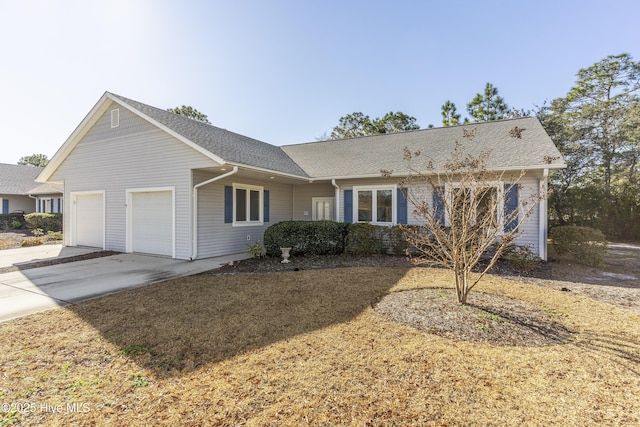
194 240
544 221
36 199
333 182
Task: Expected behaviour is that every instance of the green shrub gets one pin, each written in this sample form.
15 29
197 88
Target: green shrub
12 221
396 242
521 257
256 250
306 237
586 245
365 239
333 238
44 221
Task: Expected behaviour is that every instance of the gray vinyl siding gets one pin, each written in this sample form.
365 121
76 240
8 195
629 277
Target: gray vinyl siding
134 155
303 198
215 237
529 229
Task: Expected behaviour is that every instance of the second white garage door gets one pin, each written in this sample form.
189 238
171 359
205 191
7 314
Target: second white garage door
152 225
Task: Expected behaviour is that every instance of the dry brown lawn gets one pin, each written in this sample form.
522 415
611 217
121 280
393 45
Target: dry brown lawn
309 348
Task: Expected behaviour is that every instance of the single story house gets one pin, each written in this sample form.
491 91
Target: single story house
140 179
20 193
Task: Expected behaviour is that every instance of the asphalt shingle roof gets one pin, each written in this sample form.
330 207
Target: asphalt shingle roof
18 179
367 156
230 146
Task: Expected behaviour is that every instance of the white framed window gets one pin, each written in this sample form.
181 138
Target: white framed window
375 204
248 204
323 208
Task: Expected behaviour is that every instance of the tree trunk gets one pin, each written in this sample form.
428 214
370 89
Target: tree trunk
462 285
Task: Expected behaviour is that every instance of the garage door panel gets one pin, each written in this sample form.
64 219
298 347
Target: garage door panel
89 220
152 222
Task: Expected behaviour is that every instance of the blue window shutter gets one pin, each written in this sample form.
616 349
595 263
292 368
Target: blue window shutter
511 206
265 199
228 204
39 208
348 206
5 206
438 204
59 210
402 207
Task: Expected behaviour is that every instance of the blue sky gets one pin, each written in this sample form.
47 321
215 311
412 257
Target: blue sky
285 71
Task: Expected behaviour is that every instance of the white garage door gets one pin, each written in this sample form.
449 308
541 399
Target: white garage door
89 220
152 222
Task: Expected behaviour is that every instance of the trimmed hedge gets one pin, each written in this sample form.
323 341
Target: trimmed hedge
44 221
306 237
365 239
333 238
587 245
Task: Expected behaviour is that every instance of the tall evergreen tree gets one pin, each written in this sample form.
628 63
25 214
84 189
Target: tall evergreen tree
357 124
488 105
450 116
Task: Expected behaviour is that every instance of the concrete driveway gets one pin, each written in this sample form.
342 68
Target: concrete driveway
32 290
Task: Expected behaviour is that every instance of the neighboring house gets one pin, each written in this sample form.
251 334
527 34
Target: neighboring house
20 193
48 198
140 179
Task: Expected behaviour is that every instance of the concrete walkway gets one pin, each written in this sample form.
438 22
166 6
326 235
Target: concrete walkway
33 290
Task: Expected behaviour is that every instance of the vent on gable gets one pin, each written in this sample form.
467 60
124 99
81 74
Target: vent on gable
115 118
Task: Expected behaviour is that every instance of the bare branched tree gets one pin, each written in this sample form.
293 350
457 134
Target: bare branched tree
467 213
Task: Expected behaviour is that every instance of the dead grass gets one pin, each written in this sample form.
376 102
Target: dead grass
307 348
21 238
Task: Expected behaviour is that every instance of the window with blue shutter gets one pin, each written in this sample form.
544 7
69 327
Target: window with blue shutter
228 204
245 205
402 207
438 204
510 207
5 206
265 199
348 206
59 206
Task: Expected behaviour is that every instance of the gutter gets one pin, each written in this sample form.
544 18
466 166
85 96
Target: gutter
194 240
272 172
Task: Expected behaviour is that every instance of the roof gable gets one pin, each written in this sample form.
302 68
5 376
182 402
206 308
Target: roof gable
229 146
219 144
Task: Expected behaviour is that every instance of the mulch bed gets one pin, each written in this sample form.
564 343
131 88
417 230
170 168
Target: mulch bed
486 318
270 264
